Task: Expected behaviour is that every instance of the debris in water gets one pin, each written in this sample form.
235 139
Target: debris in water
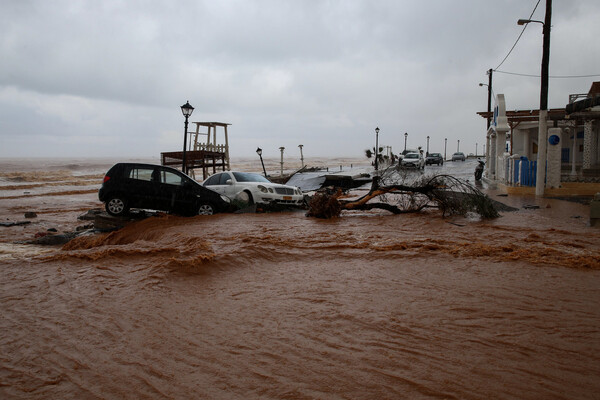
393 192
15 223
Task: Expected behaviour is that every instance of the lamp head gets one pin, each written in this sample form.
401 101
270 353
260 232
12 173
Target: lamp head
187 109
259 151
377 130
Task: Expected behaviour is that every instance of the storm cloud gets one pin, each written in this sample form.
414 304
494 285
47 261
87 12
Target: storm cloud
83 78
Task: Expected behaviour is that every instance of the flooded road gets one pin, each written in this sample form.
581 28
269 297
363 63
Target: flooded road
273 306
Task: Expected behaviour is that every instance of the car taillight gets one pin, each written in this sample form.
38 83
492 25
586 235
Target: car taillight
106 178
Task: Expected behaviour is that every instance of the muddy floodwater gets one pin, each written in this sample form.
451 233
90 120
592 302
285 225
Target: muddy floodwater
281 306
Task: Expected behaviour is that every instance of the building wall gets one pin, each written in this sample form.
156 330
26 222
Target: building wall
525 143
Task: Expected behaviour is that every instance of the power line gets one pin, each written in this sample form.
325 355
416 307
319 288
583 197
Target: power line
551 76
521 34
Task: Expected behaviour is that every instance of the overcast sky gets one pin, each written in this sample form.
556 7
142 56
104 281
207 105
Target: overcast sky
107 78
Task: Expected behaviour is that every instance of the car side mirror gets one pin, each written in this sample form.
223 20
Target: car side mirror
228 182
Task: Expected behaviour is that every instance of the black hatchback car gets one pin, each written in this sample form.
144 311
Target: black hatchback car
156 187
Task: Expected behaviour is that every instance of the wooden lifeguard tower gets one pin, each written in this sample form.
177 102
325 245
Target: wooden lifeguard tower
203 151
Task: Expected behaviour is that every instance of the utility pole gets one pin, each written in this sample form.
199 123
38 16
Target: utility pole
489 110
543 123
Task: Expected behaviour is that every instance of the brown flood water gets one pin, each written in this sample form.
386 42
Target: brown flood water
280 306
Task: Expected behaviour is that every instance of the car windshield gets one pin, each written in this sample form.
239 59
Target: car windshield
412 155
435 155
458 154
249 177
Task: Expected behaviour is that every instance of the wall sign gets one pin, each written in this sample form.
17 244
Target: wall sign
554 140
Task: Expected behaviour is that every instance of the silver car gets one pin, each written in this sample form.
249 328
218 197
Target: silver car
458 156
413 160
250 188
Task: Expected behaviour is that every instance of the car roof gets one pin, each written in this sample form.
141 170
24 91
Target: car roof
146 165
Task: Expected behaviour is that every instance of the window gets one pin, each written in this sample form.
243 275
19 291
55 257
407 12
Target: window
142 174
213 180
170 178
249 177
224 178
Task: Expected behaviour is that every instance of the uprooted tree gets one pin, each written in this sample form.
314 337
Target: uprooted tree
399 192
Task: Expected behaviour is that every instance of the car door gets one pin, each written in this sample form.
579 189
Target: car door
217 182
174 194
141 189
228 186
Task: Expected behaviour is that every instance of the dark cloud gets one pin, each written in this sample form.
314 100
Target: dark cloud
324 73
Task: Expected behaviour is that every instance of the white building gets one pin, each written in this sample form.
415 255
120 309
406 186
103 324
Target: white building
573 146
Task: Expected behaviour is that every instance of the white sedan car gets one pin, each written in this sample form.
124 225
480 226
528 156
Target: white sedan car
413 160
252 188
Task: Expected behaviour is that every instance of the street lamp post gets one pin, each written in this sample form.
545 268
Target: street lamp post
376 148
405 137
187 110
281 149
475 149
427 153
445 143
543 115
489 98
458 146
259 152
301 156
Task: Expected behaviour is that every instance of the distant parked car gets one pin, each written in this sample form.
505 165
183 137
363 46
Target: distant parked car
156 187
434 158
458 156
252 188
413 160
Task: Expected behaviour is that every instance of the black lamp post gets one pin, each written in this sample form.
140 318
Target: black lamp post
405 137
259 152
376 148
427 153
187 110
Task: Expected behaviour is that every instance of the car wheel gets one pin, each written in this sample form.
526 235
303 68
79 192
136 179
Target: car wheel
206 209
245 197
116 206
